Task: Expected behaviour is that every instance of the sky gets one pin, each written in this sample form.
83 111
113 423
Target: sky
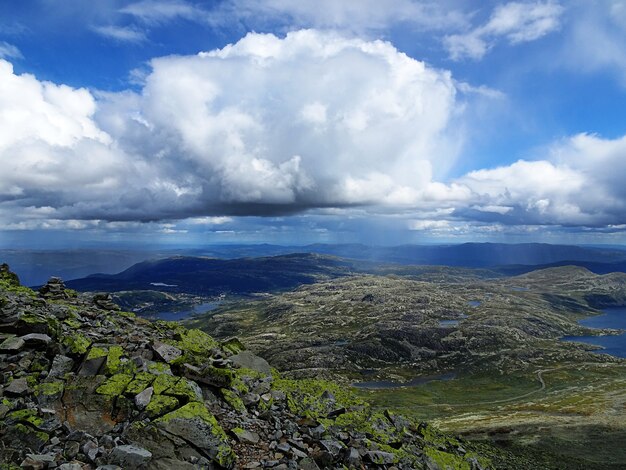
180 122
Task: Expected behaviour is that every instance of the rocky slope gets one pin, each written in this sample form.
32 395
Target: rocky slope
86 386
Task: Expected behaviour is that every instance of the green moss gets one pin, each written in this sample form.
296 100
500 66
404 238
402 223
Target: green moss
76 343
49 388
222 377
141 381
115 385
195 410
126 314
196 346
447 461
238 431
113 363
52 324
26 416
233 400
306 396
72 323
96 352
183 389
225 455
42 436
158 368
39 364
10 284
164 382
161 404
233 345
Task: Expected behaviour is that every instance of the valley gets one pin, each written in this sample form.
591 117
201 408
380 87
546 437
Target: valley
481 354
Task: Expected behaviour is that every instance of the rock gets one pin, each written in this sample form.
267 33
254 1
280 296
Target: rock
380 458
142 399
307 464
54 289
12 345
105 302
70 466
171 464
251 399
351 457
245 436
91 366
18 387
317 432
37 461
248 360
36 339
201 435
130 456
61 365
90 449
71 449
334 447
166 352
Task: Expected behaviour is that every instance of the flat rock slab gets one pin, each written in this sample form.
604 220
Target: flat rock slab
19 387
37 339
248 360
167 352
130 457
12 344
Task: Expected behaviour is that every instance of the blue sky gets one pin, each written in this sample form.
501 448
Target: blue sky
182 122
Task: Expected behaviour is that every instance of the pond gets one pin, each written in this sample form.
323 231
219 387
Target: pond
614 345
184 314
474 303
411 383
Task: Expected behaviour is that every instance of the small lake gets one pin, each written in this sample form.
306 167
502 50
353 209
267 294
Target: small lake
614 345
385 384
474 303
204 307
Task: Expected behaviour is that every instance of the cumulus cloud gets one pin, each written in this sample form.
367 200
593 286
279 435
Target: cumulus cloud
514 22
270 126
263 126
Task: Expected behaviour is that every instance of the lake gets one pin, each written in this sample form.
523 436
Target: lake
614 345
184 314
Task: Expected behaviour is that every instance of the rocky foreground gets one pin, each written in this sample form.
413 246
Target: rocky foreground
86 386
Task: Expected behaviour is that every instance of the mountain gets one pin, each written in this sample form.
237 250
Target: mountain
210 276
36 266
85 385
466 254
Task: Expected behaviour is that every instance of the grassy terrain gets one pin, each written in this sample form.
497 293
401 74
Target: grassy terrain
577 413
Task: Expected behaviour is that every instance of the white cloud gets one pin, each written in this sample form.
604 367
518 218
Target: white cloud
515 22
347 15
156 11
595 39
9 51
121 33
266 125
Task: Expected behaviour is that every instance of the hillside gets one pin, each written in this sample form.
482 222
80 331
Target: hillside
403 326
86 384
209 276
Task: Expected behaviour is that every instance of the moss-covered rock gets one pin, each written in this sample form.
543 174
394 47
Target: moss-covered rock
115 385
76 343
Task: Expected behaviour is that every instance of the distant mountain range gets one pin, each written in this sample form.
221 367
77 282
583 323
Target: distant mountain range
212 276
35 267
